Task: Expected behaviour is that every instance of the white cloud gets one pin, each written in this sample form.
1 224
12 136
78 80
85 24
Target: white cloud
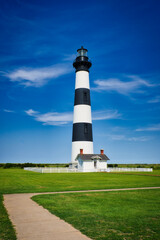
117 137
155 127
54 118
132 139
9 111
51 118
139 139
154 100
37 77
122 87
70 57
31 112
106 114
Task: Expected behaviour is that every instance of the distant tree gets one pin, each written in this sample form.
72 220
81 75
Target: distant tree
8 165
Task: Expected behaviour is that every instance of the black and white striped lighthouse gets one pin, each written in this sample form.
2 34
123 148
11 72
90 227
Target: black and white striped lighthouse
82 121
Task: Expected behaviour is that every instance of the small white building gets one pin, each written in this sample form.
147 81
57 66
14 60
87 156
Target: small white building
92 162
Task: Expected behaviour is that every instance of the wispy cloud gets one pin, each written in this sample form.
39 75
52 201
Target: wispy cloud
155 127
56 119
8 111
117 137
37 77
106 114
31 112
154 100
131 139
69 57
133 84
139 139
51 118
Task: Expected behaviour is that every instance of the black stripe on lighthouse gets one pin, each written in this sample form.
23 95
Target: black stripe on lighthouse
82 132
82 96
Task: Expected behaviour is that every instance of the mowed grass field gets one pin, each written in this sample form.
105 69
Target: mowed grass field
109 215
20 181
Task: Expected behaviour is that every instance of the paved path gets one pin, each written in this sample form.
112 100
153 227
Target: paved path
33 222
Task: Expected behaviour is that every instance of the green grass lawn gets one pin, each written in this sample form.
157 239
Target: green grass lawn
6 230
155 173
20 181
131 215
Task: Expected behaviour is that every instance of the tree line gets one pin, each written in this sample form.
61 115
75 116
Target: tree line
22 165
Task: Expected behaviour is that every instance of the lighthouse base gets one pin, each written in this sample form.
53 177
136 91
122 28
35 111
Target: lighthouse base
76 146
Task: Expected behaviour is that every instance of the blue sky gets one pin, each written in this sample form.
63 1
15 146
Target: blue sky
38 44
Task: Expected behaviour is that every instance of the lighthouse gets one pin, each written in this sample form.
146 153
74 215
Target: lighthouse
82 121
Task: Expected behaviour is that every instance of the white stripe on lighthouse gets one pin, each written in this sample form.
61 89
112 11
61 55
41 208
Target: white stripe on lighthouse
82 79
82 113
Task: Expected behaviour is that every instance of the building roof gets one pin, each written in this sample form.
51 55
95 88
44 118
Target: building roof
92 157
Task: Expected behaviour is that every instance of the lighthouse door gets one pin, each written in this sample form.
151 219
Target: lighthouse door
95 164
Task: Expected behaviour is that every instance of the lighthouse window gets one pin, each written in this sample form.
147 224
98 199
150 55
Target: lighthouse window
82 52
85 96
85 128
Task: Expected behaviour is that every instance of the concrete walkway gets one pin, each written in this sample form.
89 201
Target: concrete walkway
33 222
